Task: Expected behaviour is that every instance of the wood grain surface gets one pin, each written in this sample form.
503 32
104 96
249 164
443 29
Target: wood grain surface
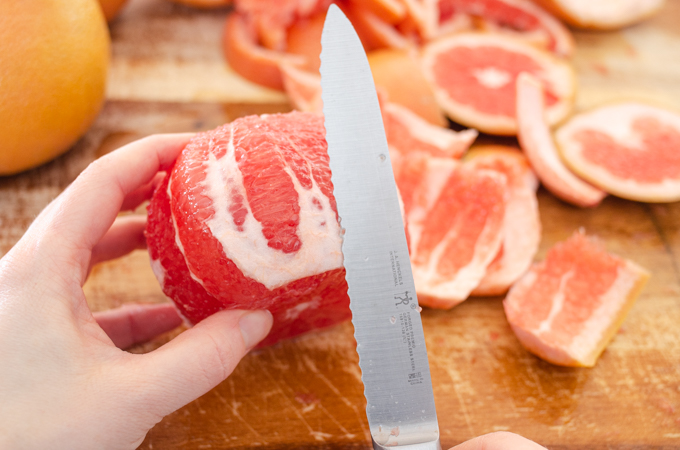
167 74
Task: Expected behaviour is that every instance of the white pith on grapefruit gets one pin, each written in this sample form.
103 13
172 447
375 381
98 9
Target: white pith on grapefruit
567 308
538 145
521 223
631 150
602 14
474 79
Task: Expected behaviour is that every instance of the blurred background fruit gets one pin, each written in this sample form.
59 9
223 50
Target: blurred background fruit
53 62
111 8
206 4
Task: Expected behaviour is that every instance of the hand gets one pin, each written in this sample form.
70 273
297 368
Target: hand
63 381
501 440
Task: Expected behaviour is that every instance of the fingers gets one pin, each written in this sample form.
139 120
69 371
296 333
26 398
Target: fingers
133 324
501 440
136 197
84 212
126 234
201 357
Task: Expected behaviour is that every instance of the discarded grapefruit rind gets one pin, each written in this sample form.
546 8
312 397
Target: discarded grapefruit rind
399 74
538 145
248 59
303 88
455 216
474 79
526 20
521 222
567 308
601 15
630 150
246 219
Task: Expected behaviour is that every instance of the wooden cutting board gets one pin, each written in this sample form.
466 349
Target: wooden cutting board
167 74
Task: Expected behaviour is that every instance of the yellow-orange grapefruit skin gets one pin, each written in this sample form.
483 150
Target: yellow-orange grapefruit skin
53 61
111 8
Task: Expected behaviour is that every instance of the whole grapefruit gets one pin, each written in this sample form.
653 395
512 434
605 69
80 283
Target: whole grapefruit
247 219
53 62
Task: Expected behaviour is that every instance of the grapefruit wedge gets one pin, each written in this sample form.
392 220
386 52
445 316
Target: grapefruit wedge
631 150
538 145
454 217
246 219
522 18
474 78
521 222
602 15
567 308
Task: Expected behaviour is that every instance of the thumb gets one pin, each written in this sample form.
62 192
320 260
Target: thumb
201 357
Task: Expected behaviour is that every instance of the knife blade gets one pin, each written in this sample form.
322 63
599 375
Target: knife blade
385 313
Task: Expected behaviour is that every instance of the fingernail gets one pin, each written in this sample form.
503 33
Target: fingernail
254 327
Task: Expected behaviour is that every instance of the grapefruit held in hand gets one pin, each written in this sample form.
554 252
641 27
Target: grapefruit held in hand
246 219
53 62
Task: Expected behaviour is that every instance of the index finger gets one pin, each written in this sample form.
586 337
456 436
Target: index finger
83 213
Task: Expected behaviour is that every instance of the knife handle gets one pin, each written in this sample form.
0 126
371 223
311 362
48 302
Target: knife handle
433 445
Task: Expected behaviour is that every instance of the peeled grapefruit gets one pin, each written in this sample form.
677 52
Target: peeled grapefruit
602 15
521 222
631 150
53 62
247 219
567 308
474 79
454 218
537 142
522 18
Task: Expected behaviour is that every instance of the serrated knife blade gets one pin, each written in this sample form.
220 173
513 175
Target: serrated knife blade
385 313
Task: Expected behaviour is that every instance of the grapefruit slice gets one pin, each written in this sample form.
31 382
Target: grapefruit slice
521 223
474 79
374 32
398 73
567 308
252 218
602 15
408 133
304 39
391 11
537 143
521 17
631 150
248 59
454 217
303 88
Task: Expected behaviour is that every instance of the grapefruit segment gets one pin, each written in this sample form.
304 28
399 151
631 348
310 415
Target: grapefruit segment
567 308
628 149
252 218
602 15
304 39
537 143
521 222
521 17
454 216
474 79
248 59
303 88
391 11
374 32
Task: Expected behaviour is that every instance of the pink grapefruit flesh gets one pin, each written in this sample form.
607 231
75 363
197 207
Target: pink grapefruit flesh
538 145
567 308
247 220
631 150
474 78
521 223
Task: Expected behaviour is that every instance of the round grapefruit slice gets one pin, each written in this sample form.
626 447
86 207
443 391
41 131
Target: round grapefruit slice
454 216
474 78
248 59
537 143
567 308
628 149
521 17
602 15
521 223
247 219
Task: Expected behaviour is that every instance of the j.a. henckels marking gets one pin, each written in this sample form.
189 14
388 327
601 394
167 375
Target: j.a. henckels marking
385 312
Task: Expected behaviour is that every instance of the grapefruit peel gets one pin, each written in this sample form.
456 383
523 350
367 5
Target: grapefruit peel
538 145
630 150
567 308
602 15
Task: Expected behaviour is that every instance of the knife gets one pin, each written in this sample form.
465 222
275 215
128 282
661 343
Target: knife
385 312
